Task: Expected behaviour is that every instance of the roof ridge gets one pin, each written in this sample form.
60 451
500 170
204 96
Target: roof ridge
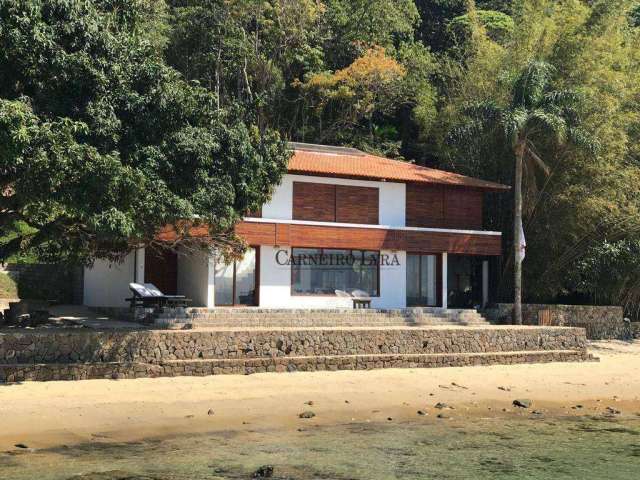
341 162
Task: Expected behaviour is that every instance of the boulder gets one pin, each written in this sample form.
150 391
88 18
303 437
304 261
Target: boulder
265 471
522 402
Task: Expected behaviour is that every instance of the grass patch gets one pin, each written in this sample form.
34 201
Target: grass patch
8 288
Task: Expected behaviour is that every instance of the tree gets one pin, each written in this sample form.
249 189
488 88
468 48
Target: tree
536 114
499 26
355 26
609 273
247 52
102 144
343 99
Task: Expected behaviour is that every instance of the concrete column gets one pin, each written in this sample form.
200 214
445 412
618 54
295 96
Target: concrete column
485 283
138 274
444 280
211 267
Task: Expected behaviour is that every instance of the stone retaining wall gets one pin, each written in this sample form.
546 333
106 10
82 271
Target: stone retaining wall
246 366
635 330
600 322
67 347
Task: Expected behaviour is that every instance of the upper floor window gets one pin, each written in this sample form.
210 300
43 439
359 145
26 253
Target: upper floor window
335 203
440 206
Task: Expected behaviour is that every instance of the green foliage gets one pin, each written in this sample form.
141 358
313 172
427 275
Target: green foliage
609 272
8 288
634 16
102 144
357 25
499 26
117 116
587 197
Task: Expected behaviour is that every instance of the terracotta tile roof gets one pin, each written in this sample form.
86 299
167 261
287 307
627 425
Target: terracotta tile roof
348 162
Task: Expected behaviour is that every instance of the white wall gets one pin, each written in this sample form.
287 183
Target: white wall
392 198
275 285
193 278
107 284
393 283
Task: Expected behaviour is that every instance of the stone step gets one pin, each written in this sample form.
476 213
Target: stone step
55 371
261 317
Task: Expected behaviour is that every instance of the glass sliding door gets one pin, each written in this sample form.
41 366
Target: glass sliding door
421 280
223 284
245 291
236 283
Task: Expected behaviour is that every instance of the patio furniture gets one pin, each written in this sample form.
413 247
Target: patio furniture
147 295
360 298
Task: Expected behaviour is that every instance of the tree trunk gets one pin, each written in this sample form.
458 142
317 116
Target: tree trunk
517 229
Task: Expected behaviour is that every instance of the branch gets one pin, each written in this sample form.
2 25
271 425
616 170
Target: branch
545 168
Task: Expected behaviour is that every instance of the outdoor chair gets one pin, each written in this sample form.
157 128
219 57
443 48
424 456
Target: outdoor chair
147 295
360 298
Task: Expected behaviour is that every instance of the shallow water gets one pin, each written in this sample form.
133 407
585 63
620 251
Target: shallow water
571 448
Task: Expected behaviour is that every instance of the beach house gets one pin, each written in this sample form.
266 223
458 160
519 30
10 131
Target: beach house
341 221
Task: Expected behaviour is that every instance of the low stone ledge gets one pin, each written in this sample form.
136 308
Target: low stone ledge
635 330
600 322
52 372
154 347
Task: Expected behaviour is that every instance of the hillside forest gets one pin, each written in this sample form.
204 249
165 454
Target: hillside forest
449 84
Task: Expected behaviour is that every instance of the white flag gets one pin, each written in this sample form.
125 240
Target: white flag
522 247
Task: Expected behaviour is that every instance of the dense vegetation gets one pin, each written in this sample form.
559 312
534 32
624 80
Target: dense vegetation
102 143
396 77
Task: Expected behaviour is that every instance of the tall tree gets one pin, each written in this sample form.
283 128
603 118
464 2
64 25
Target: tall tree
535 114
102 144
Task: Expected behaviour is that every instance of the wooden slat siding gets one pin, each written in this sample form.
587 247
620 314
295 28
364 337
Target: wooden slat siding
462 208
357 204
257 233
436 206
470 244
316 236
161 269
343 237
314 201
282 234
425 206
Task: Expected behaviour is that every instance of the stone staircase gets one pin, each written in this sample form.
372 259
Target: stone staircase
317 318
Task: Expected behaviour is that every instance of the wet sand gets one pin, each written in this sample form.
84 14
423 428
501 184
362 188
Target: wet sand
51 414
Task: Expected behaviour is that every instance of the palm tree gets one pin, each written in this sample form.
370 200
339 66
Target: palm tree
535 114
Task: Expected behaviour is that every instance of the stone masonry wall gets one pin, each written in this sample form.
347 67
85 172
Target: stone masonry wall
600 322
70 347
635 330
83 371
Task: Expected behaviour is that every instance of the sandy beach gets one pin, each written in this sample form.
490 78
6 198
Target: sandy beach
65 413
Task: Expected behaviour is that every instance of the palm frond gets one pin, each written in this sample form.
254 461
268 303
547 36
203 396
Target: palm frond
513 121
482 117
583 139
532 84
562 98
549 123
487 111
